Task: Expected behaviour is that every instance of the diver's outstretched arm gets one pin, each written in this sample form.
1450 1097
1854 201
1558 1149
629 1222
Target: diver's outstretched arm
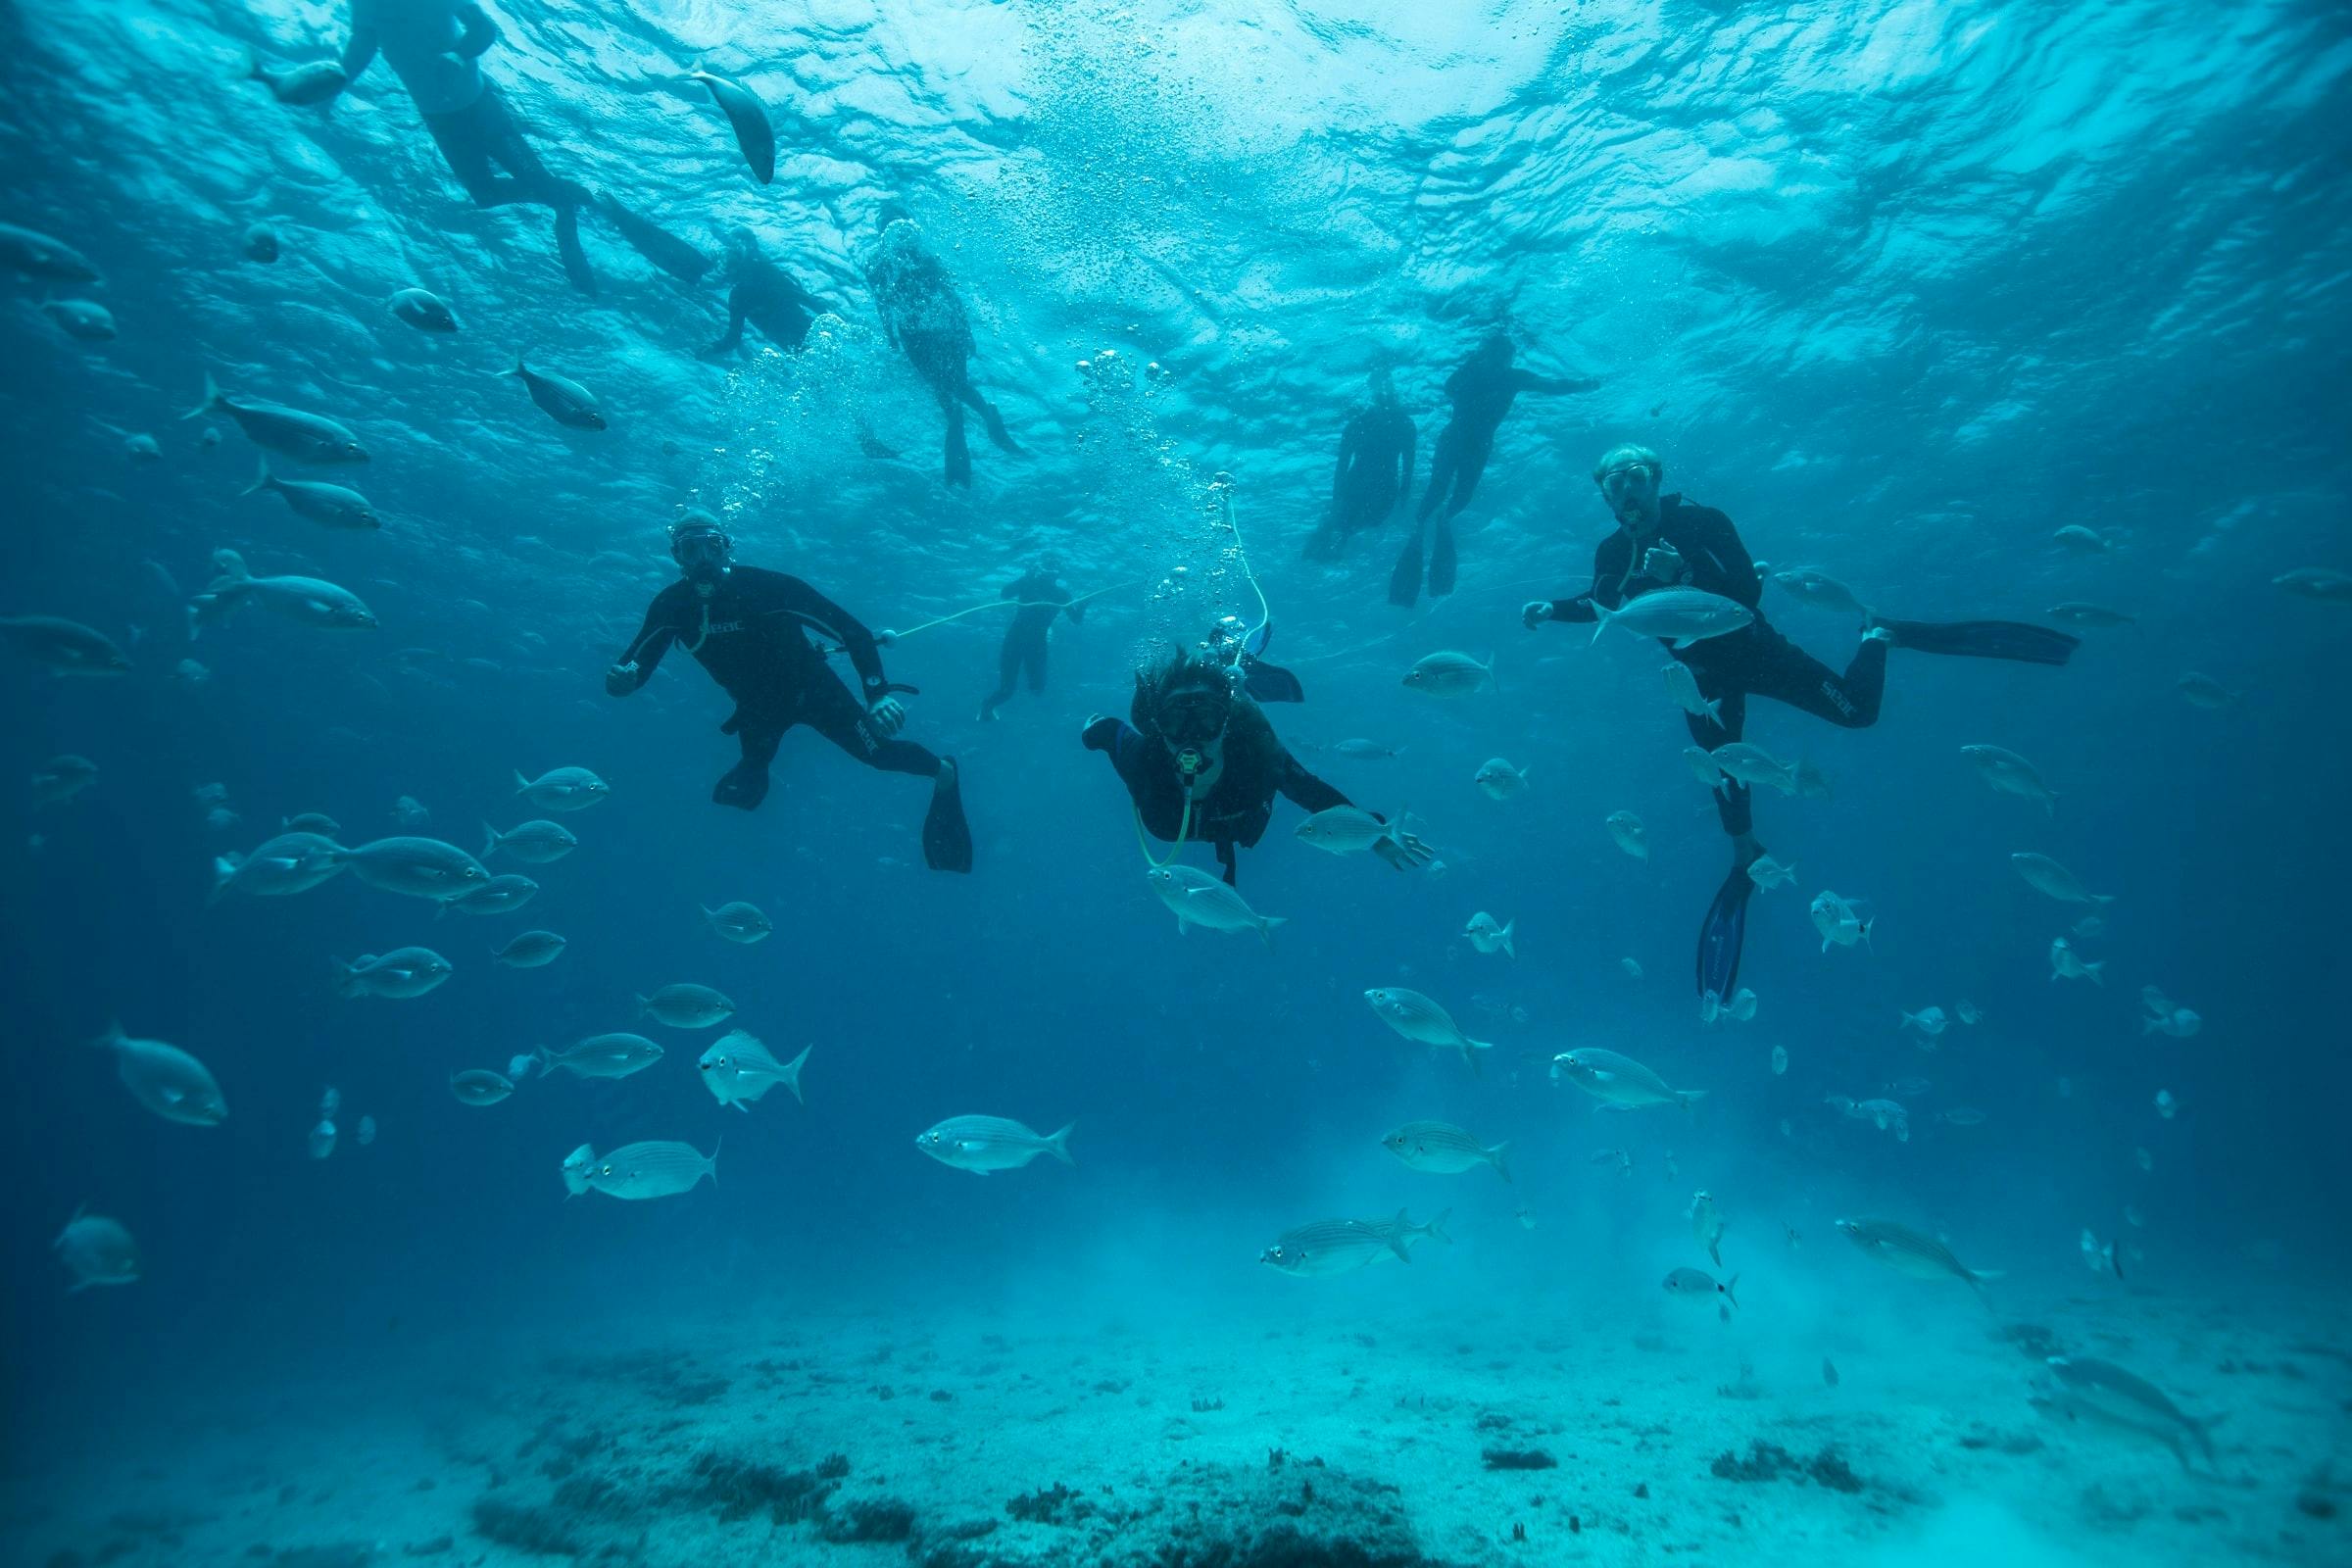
732 339
479 34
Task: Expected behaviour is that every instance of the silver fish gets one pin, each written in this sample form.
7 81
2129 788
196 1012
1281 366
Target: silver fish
561 398
531 950
686 1007
478 1086
535 843
166 1079
1197 897
96 1250
738 1069
2104 1394
1703 765
1768 873
2203 691
614 1056
1632 836
1343 830
420 868
1699 1285
2081 540
747 117
37 255
1498 779
1907 1252
423 310
1417 1019
661 1168
87 320
330 505
1677 616
1820 590
1706 1224
1752 766
2045 875
739 922
1451 674
1338 1245
563 789
500 894
1683 686
2067 964
982 1144
1834 918
308 437
398 975
61 778
1487 936
306 601
2317 582
577 1166
2011 774
1443 1148
1619 1081
63 647
303 86
1929 1021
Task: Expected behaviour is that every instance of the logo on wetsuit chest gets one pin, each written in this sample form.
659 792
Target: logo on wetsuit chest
716 627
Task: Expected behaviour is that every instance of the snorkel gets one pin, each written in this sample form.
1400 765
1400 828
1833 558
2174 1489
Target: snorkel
1627 477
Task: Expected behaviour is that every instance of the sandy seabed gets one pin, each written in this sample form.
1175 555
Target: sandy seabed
1363 1430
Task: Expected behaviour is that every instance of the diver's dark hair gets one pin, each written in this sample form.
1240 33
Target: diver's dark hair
1250 741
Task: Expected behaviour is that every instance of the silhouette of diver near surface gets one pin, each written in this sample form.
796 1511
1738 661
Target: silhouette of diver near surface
926 320
435 48
1482 390
1374 471
749 629
763 295
1040 595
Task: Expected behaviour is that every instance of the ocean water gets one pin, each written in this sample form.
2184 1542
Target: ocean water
1904 288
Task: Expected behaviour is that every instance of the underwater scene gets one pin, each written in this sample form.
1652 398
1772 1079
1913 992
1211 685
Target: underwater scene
1175 783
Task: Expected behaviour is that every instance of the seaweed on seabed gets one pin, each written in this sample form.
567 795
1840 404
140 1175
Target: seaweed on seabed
868 1519
1769 1462
1059 1506
538 1531
741 1487
1518 1459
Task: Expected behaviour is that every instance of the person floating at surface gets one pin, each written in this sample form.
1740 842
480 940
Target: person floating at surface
1040 596
1375 471
748 627
764 294
1203 765
1667 541
435 48
1242 648
926 320
1482 390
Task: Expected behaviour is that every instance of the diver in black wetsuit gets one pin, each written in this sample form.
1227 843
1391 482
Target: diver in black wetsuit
764 294
1666 541
924 320
1203 765
1040 597
1482 390
748 627
1375 471
435 48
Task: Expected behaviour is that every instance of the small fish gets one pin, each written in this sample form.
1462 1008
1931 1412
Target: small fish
577 1166
322 1139
738 922
2097 1259
330 505
2102 1393
2081 540
304 86
1742 1007
1630 834
399 975
2078 612
330 1101
96 1250
2143 1159
1840 926
754 136
1754 766
535 843
1907 1252
1706 1224
316 823
1698 1285
2088 927
1970 1014
1962 1116
2203 691
260 243
308 600
1526 1217
531 950
1828 1372
500 894
1500 780
1451 674
37 255
166 1079
2011 774
2178 1022
1343 830
143 448
2133 1217
63 647
2067 964
86 319
1340 1246
1619 1081
563 789
1617 1157
1683 686
1417 1019
61 778
1488 937
1909 1088
1197 897
1443 1148
982 1144
613 1055
1676 615
418 868
1703 765
1780 1061
365 1131
657 1170
425 311
191 673
1820 590
1367 750
561 398
2166 1105
685 1006
1929 1021
1768 873
289 432
2044 876
1631 967
2317 582
1887 1116
479 1086
289 863
738 1069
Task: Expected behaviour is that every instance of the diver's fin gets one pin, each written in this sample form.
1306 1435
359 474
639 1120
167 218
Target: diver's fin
1722 932
1441 561
1271 683
1405 582
2013 640
947 837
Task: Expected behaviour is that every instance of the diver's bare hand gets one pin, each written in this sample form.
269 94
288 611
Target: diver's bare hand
622 679
1534 612
1404 851
888 716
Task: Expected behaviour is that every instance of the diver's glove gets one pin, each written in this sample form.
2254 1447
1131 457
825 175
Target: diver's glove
888 716
1534 612
622 679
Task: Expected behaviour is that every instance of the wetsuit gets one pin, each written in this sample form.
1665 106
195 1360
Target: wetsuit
769 299
1040 597
924 320
1235 811
1375 467
1482 390
1754 660
752 635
